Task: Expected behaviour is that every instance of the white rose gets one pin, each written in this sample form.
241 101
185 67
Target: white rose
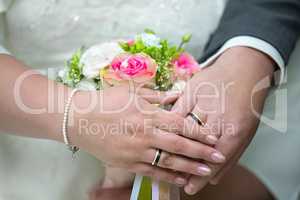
99 56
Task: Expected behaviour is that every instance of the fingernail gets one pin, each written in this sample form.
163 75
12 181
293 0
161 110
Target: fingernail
189 189
203 170
211 139
218 157
180 181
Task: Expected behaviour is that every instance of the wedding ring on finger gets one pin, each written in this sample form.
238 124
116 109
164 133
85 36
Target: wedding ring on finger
156 157
196 118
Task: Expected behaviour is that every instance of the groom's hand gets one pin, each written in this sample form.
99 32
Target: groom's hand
228 97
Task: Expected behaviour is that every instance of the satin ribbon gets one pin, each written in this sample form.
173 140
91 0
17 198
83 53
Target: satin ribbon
137 187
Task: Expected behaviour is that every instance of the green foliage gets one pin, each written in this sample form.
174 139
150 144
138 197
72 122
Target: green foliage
99 83
184 40
149 31
162 55
74 72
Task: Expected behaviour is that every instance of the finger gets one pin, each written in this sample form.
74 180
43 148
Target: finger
160 174
158 97
178 163
206 135
179 145
175 123
184 105
197 117
228 145
228 166
209 122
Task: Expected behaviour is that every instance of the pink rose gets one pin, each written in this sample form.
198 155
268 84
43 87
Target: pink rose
185 66
138 67
131 42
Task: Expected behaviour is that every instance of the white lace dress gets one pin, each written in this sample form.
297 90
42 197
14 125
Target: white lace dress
43 34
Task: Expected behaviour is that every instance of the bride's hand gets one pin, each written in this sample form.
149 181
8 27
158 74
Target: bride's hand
125 129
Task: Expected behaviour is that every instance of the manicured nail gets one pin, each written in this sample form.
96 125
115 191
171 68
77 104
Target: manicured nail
180 181
204 170
218 157
212 139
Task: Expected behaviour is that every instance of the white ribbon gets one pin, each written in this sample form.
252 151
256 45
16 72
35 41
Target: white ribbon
136 187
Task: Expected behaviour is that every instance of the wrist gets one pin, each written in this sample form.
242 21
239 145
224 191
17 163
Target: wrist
84 117
247 61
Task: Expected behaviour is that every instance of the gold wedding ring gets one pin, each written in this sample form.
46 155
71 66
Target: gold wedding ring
157 157
196 118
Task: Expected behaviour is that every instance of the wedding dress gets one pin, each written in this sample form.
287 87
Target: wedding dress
44 33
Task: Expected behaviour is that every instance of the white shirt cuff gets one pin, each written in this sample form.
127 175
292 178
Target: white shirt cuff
3 50
255 43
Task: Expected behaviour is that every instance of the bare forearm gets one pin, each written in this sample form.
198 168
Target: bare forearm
30 104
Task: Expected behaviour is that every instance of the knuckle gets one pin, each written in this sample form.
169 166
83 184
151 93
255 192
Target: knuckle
178 146
180 122
168 160
170 178
206 152
150 140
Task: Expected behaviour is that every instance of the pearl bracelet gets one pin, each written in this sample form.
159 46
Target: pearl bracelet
71 147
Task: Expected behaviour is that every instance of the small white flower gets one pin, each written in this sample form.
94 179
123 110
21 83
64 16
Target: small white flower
99 56
87 85
179 86
149 39
62 74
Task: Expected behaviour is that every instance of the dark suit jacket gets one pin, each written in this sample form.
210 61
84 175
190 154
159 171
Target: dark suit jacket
274 21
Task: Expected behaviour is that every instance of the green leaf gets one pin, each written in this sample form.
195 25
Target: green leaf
125 46
149 31
75 75
186 38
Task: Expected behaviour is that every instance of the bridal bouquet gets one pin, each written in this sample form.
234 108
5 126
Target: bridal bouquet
146 58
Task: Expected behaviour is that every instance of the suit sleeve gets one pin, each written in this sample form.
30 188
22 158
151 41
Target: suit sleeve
275 21
4 5
3 50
